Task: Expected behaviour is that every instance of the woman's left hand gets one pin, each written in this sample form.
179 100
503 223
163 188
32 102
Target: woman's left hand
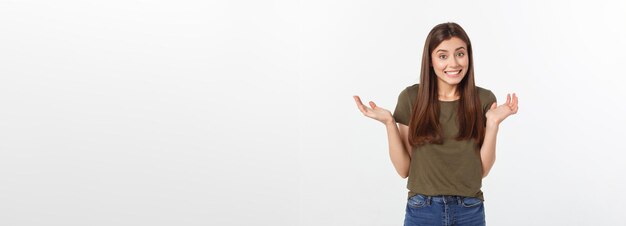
496 114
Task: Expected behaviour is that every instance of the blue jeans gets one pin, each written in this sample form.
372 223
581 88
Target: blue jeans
444 210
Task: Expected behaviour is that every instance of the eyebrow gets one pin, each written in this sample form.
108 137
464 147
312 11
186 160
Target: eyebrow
447 50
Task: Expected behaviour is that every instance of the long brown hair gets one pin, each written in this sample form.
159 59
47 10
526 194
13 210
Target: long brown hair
424 126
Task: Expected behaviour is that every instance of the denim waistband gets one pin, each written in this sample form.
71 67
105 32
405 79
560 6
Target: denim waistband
447 199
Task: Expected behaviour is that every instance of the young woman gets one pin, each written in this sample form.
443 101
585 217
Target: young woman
445 137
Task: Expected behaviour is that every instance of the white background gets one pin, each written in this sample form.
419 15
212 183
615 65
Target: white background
145 112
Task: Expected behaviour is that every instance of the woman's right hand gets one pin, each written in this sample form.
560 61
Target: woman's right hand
380 114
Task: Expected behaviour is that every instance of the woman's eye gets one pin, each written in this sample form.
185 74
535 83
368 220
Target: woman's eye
460 54
443 56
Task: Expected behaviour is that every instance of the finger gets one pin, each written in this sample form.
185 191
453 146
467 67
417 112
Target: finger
372 104
493 106
359 104
508 99
357 99
513 103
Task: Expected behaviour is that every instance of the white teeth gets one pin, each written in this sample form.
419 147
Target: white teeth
453 72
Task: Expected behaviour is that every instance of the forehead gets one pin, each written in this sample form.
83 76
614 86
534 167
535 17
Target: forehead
450 45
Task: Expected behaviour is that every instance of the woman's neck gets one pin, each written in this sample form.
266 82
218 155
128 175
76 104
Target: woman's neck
447 92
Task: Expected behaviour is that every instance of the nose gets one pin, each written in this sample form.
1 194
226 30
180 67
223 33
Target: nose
454 63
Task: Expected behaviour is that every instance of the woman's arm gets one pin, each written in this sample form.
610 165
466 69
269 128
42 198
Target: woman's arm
397 138
400 157
495 116
488 150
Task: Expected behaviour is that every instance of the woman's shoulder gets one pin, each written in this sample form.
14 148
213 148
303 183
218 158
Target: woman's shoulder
482 90
485 95
412 89
410 92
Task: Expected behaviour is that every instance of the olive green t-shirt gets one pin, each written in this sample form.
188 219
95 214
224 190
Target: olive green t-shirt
451 168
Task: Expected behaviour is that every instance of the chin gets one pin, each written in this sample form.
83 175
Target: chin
453 81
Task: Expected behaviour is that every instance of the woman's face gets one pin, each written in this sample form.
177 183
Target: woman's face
450 61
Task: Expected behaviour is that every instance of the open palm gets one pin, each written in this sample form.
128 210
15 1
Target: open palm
375 112
497 114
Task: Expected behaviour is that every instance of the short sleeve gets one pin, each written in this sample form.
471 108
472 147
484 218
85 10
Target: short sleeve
490 98
402 113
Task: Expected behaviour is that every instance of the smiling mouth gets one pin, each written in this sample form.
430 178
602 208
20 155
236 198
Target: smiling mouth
457 72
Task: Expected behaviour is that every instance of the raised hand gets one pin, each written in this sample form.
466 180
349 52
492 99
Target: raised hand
496 114
375 112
